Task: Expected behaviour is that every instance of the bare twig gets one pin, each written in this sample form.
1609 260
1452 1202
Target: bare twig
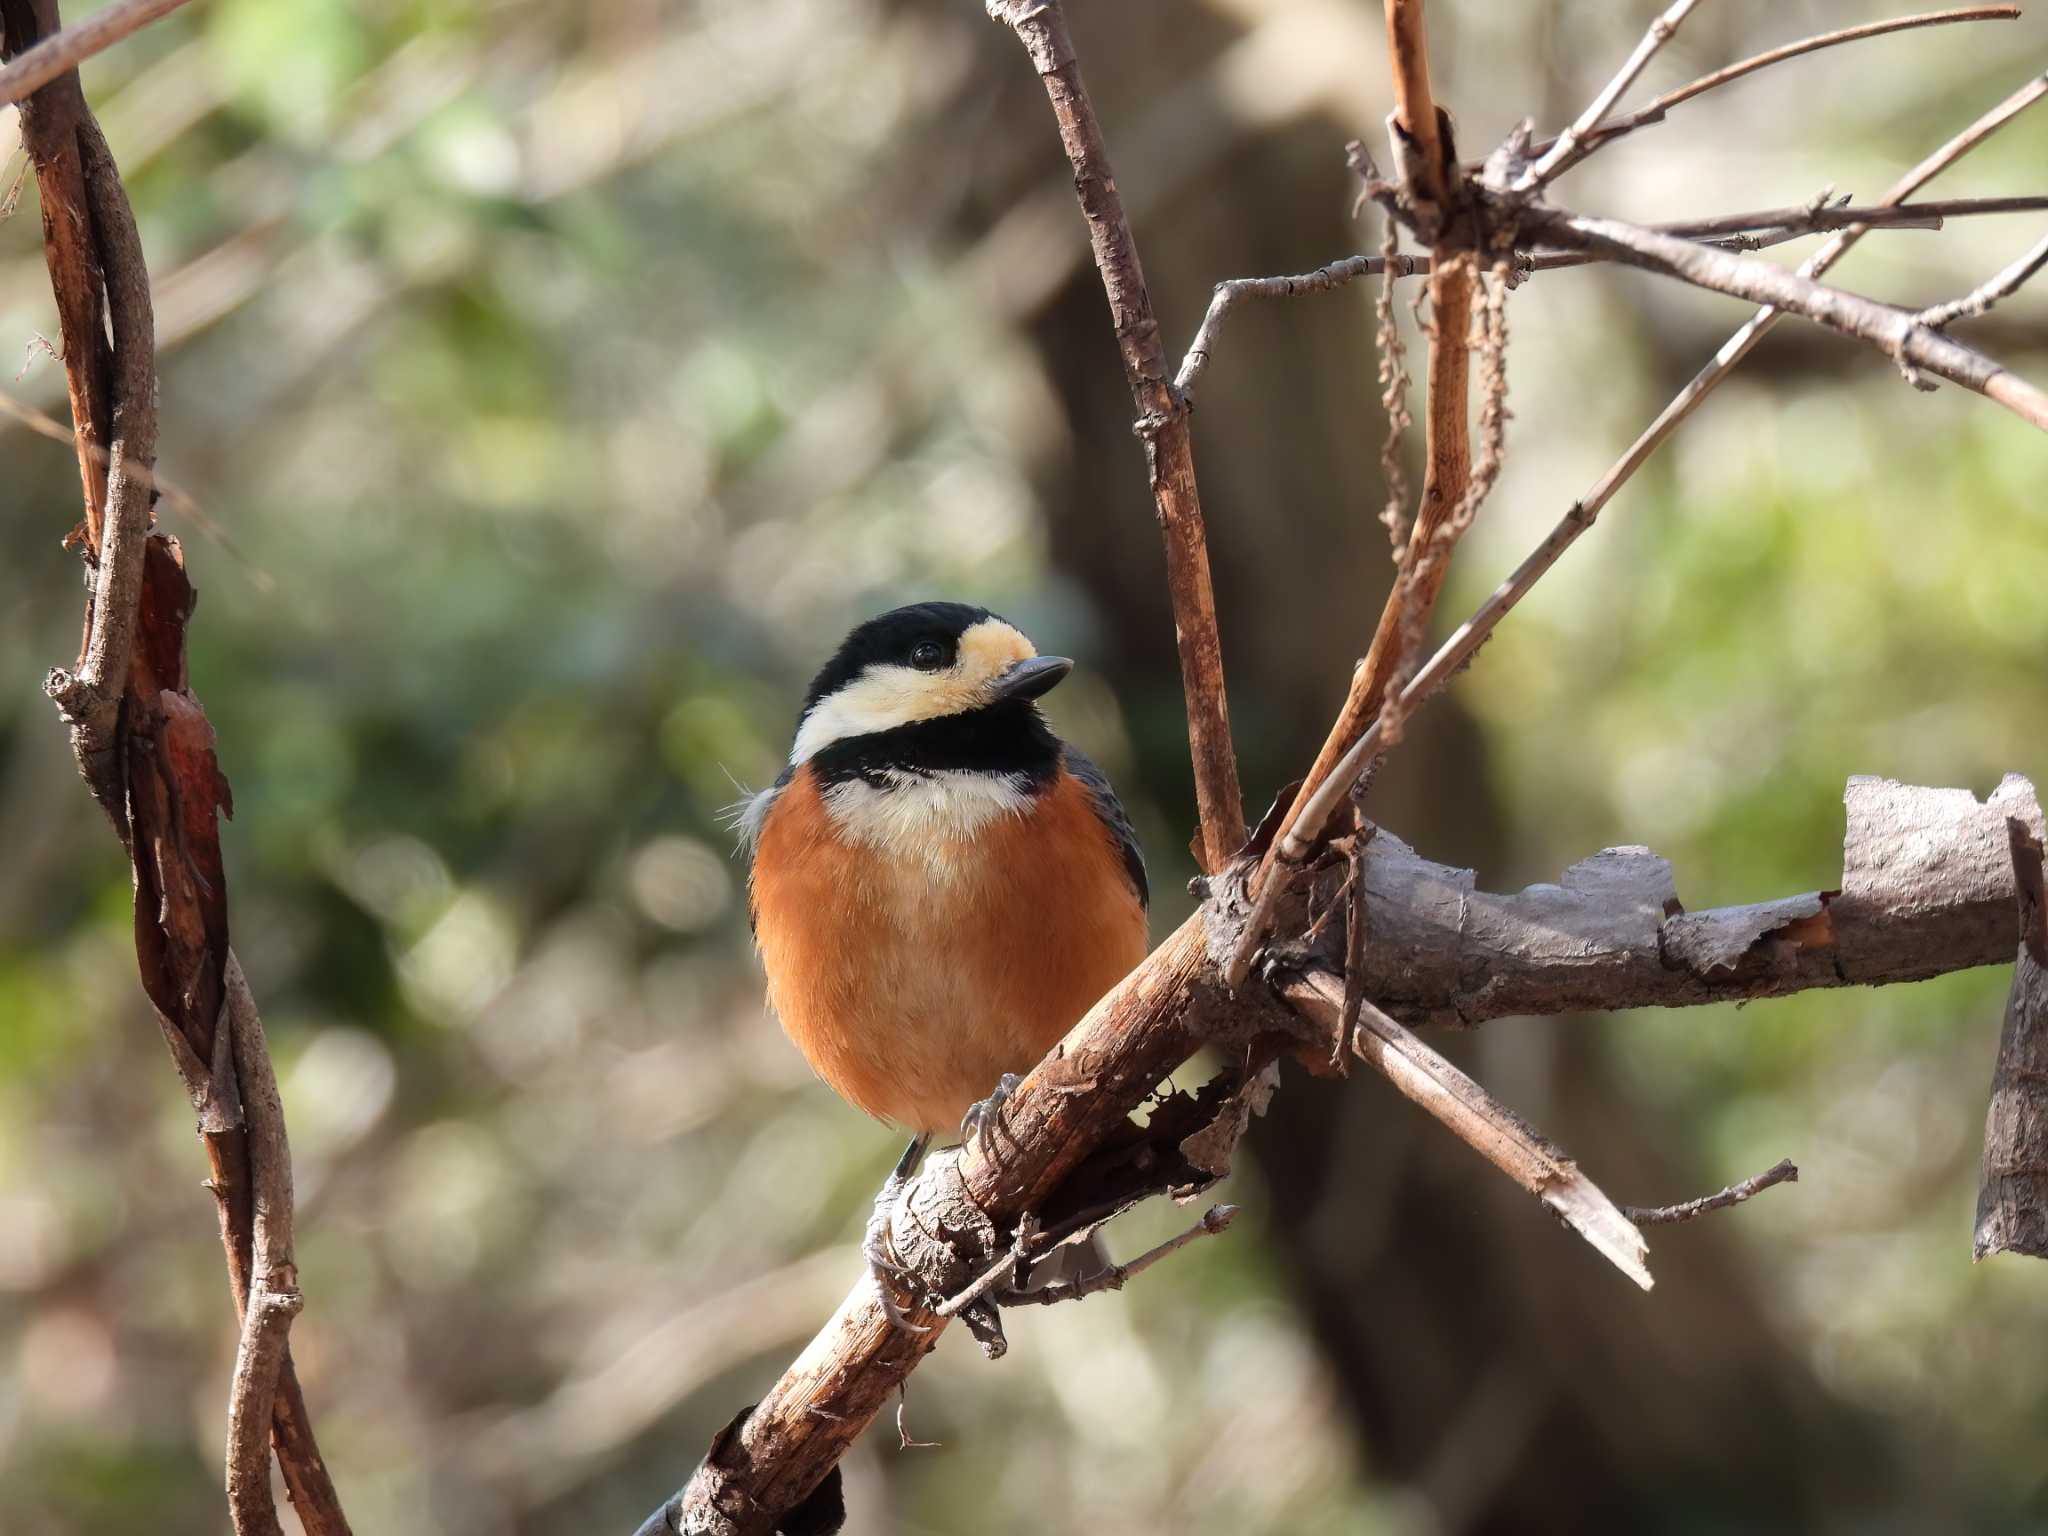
1614 128
274 1298
1041 26
1471 1114
62 52
1784 1172
1320 803
1798 224
1116 1276
1979 300
1324 279
1563 152
1894 331
1813 216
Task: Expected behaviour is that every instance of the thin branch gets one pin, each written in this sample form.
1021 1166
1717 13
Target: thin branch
1655 111
274 1298
1784 1172
62 52
1581 515
1041 26
1323 280
1894 331
1563 152
1979 300
1346 270
1215 1220
1470 1113
1817 216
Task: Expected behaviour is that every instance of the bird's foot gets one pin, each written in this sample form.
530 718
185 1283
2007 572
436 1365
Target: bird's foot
875 1245
977 1126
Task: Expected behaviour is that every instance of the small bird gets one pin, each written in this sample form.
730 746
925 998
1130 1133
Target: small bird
940 886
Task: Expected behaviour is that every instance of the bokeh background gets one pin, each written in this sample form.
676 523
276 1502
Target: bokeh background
558 383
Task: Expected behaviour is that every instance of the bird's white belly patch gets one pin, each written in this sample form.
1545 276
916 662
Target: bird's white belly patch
922 815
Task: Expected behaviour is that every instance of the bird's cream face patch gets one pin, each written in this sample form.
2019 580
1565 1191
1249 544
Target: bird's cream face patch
884 697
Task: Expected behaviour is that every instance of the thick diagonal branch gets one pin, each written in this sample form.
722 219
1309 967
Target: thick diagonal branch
1926 887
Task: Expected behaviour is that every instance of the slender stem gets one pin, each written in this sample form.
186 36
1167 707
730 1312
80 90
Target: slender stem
63 51
1115 1277
1784 1172
1041 26
1979 300
1654 112
1895 331
1563 151
1815 216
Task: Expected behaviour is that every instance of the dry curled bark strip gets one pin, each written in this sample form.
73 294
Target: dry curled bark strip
2012 1204
146 751
1041 26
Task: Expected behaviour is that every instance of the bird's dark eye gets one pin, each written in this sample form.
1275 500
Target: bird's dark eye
928 657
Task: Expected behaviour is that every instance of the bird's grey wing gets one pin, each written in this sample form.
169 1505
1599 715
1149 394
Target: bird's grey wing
1111 811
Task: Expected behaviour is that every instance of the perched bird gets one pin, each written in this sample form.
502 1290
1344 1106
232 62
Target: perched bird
940 886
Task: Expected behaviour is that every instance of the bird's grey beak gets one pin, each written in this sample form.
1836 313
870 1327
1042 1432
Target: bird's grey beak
1030 678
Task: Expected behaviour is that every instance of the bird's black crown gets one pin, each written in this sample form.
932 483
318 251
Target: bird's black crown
893 638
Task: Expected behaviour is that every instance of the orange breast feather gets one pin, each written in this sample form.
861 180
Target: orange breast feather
912 979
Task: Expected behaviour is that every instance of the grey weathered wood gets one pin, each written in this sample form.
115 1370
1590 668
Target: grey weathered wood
2012 1205
1928 873
1927 888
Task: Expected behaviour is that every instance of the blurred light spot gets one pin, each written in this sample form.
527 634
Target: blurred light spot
479 157
449 1184
575 977
339 1086
400 879
461 962
30 1242
681 884
67 1360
